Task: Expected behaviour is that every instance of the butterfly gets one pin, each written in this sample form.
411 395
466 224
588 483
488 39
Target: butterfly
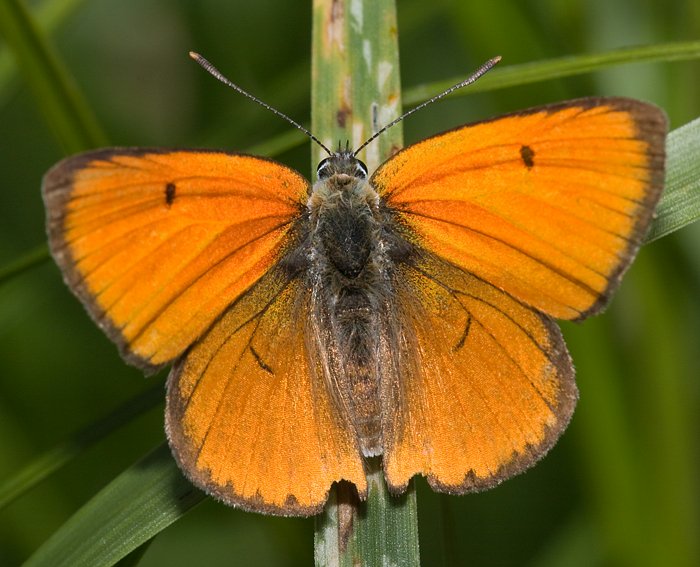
408 313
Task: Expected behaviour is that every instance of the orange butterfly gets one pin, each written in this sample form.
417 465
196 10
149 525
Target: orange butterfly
407 314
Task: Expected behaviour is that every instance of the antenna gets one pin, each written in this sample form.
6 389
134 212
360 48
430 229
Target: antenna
216 73
469 80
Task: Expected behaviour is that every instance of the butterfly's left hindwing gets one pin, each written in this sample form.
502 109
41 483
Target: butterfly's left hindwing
156 243
250 418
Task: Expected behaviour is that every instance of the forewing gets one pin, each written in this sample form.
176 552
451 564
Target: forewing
549 204
250 419
156 243
487 384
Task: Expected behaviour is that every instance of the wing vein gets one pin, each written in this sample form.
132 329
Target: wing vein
519 250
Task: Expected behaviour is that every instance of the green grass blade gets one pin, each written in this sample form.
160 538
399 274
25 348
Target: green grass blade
355 85
381 531
48 463
680 202
25 262
135 506
516 75
59 99
50 14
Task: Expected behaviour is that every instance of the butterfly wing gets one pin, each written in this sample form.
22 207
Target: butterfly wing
515 220
250 418
549 204
178 252
487 384
156 243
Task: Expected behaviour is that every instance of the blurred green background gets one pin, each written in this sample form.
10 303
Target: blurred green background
620 488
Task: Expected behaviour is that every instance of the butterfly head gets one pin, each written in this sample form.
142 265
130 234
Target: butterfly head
342 178
343 165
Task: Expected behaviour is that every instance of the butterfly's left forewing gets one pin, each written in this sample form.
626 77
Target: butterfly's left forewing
156 243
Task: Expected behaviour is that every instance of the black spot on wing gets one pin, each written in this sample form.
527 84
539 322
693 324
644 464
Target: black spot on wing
528 156
169 193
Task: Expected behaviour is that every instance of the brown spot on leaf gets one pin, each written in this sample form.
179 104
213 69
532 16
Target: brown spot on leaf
342 115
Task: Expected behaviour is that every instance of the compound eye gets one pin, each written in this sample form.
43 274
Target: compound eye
360 169
323 170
